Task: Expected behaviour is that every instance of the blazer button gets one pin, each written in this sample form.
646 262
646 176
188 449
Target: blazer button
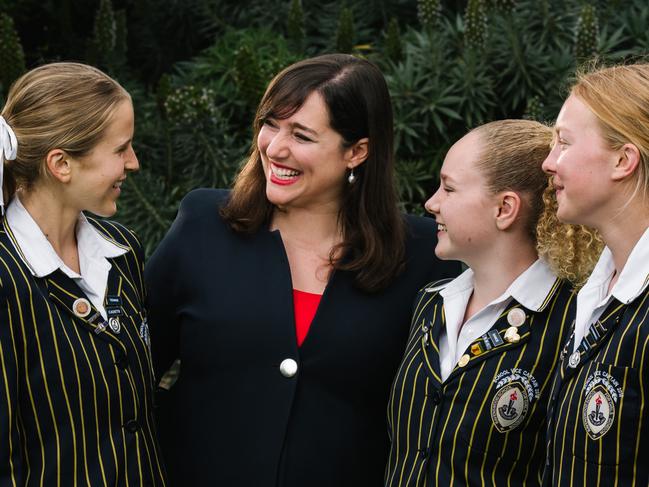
436 396
131 425
288 367
122 361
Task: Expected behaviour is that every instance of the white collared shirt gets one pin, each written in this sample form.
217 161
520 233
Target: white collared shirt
530 289
594 297
42 259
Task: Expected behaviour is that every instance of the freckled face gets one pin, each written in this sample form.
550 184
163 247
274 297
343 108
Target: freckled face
579 164
462 205
303 158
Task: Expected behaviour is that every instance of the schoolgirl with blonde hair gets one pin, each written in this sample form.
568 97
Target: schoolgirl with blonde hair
76 381
468 402
599 422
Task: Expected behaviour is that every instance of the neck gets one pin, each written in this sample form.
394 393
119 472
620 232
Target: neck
56 221
495 272
622 232
311 227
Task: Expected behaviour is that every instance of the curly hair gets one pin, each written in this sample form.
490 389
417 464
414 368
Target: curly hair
570 250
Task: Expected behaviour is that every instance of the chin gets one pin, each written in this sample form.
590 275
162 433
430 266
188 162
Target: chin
565 217
104 212
441 254
277 198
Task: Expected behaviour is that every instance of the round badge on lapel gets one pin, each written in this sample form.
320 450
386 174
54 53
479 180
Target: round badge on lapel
81 307
115 325
464 359
574 359
516 317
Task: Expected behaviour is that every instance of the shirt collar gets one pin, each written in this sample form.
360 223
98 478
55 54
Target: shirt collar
38 253
530 289
633 279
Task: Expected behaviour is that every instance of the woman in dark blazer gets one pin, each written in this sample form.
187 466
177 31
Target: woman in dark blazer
598 432
288 299
76 382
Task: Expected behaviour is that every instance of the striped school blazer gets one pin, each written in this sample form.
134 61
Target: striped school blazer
75 394
599 428
485 424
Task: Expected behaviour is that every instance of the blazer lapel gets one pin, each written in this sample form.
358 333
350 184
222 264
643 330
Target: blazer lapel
494 342
64 292
431 328
593 340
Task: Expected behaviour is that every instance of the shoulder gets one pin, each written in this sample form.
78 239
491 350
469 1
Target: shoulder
204 199
421 240
420 227
436 286
116 233
199 210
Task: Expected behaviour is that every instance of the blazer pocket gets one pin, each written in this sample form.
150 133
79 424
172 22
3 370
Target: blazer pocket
606 420
504 421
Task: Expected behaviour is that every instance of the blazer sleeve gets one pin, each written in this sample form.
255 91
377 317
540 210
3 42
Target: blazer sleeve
10 444
161 291
168 269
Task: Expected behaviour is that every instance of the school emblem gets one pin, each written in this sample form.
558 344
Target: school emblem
598 412
509 406
602 392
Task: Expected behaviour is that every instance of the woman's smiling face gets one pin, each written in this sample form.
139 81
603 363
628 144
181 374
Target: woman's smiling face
303 158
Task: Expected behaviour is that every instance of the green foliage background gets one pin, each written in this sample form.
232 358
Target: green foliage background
197 68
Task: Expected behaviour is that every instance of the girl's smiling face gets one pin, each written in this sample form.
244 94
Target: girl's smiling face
463 206
579 164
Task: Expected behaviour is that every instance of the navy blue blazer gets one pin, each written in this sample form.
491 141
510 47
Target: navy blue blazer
222 302
75 397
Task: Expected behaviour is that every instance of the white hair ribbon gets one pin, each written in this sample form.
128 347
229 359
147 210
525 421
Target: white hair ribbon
8 152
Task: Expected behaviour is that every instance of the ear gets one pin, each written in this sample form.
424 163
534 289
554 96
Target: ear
627 162
357 153
508 209
58 165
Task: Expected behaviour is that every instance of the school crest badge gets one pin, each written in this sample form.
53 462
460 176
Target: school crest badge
515 390
602 392
509 406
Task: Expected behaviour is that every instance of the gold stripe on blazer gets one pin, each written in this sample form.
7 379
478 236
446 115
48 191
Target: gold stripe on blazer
485 424
599 429
76 398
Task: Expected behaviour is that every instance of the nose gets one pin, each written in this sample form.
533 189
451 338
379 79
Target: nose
550 163
132 163
432 205
276 146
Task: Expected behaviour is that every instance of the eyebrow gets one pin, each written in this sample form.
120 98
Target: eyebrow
445 177
125 144
298 125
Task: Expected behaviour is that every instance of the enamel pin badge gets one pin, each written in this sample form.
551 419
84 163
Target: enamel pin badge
81 307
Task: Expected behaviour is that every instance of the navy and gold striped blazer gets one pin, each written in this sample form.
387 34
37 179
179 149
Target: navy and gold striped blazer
484 425
75 400
599 428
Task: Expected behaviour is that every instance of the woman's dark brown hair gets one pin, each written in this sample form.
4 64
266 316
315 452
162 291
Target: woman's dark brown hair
357 97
